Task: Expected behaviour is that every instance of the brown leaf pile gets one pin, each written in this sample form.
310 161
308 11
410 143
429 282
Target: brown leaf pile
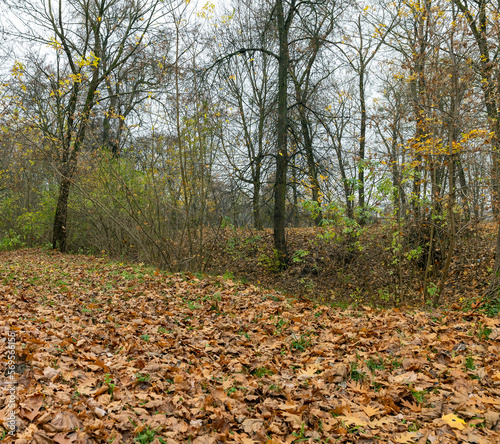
111 353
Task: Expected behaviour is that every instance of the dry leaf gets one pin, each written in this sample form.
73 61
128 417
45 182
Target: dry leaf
412 406
352 420
370 411
252 426
406 437
295 420
405 378
454 421
30 408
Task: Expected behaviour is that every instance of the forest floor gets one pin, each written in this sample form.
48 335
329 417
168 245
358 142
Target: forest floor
107 352
332 267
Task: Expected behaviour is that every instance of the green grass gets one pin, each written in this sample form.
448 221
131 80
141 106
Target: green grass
147 436
301 343
356 375
419 396
262 371
375 364
141 377
469 363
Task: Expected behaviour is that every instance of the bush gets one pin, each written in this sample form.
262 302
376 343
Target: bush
11 241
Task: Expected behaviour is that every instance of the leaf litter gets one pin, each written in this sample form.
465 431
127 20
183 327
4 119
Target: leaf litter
109 353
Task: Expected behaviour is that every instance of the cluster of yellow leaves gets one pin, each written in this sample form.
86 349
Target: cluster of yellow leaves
91 60
18 69
206 11
53 43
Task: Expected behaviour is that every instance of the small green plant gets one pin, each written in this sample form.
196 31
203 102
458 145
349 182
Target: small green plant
109 383
301 343
483 332
244 333
414 426
469 363
373 364
193 305
396 363
384 295
419 396
301 435
355 429
228 275
262 371
233 241
142 377
299 256
355 374
492 307
274 388
162 330
145 338
252 240
308 284
209 297
146 436
280 323
432 289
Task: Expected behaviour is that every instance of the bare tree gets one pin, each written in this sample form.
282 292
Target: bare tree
90 40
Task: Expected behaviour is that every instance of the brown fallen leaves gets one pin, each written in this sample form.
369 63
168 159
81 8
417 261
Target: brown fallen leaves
111 353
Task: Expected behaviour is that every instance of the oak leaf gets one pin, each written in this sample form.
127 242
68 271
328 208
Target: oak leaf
406 437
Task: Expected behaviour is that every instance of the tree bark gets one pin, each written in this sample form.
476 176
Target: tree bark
362 147
59 234
282 153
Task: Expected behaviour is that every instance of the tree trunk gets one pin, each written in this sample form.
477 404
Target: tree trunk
257 219
305 130
59 233
311 165
281 154
362 148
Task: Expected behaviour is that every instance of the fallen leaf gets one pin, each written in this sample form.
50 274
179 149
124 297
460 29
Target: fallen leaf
370 411
352 420
63 422
412 406
252 426
454 421
406 437
405 378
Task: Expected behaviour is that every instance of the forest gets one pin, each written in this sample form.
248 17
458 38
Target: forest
167 132
249 221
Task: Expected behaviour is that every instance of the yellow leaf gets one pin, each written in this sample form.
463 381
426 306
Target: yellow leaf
454 421
309 372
